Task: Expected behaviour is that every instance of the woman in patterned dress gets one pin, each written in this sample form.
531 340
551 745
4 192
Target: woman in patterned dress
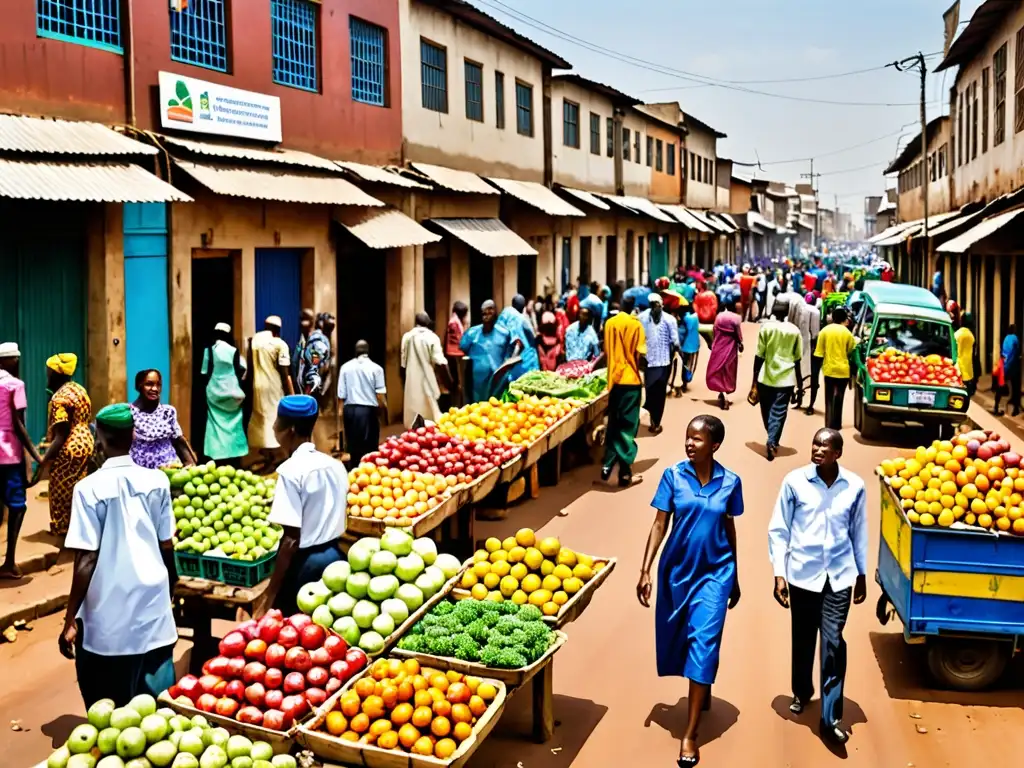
71 442
159 441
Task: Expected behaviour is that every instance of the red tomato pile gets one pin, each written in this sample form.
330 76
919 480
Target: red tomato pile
271 672
893 366
427 449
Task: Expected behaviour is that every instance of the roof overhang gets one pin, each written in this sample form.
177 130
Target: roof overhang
590 198
979 232
983 23
288 186
488 236
383 227
103 182
454 180
640 206
537 196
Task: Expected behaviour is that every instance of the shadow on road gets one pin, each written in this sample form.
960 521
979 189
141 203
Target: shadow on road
853 715
720 718
58 729
905 674
781 453
509 743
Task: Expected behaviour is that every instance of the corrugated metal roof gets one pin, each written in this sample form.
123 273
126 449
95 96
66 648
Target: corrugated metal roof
236 152
686 218
587 197
640 205
537 195
65 137
729 219
384 227
380 175
979 232
727 224
716 226
756 219
271 184
489 236
456 181
85 182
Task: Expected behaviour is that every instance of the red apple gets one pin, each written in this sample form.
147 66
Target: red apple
298 659
317 677
206 703
255 650
235 690
189 687
233 644
316 696
236 667
288 636
320 657
273 678
274 720
226 707
208 682
300 621
275 613
219 688
312 636
219 665
336 646
254 672
269 627
333 685
294 707
340 671
250 716
249 629
274 656
255 694
273 699
294 682
356 659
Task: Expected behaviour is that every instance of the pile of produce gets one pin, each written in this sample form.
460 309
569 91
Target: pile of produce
576 369
141 736
551 384
973 480
520 569
501 636
222 512
893 366
396 496
367 596
433 451
271 672
402 706
518 423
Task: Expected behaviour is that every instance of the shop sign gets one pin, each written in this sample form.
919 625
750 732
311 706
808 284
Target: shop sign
187 104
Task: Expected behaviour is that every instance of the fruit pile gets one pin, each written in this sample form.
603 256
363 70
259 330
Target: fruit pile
141 736
500 636
221 511
432 451
975 479
893 366
271 672
521 569
383 581
515 423
396 496
402 706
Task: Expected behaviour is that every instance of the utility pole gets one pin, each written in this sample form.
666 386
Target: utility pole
813 177
907 65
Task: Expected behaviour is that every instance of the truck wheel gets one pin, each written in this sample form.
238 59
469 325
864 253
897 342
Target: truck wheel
870 427
967 665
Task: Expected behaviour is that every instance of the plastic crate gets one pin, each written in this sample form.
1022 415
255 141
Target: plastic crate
188 565
237 573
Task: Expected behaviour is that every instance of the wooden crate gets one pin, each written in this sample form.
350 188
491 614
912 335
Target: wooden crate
422 525
331 748
513 678
281 741
483 485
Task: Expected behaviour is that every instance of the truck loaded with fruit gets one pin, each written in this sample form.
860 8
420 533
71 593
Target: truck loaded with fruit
905 361
951 554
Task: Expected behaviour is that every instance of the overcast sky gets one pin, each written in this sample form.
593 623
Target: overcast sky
744 40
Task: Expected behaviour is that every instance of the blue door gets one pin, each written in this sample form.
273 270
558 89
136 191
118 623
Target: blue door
278 272
147 329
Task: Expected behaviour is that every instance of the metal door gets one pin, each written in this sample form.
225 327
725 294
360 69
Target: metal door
659 256
147 329
278 274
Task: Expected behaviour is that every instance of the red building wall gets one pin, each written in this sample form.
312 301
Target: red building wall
48 77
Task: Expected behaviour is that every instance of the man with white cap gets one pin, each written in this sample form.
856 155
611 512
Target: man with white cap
662 333
270 362
14 441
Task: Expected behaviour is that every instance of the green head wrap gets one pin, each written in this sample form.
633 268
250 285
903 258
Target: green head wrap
116 416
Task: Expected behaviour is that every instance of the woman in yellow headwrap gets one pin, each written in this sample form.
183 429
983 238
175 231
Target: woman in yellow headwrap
71 441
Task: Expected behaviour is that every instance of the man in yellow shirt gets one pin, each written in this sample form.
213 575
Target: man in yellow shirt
835 343
965 353
624 346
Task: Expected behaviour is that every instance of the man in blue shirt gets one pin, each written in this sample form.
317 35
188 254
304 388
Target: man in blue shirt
581 341
1011 371
818 545
514 320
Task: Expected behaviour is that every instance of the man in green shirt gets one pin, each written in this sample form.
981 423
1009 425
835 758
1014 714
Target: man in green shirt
779 350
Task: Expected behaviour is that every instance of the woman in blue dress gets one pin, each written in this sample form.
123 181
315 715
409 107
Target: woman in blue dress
697 573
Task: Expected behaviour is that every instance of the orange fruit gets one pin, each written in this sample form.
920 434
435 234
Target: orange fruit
444 749
365 686
336 723
459 693
982 483
407 736
350 736
441 727
453 676
389 696
394 667
378 727
477 706
423 746
360 723
463 731
373 707
412 666
461 714
405 691
442 708
440 682
435 694
388 740
379 670
422 716
996 473
1003 524
985 521
419 682
423 699
350 704
1018 526
401 714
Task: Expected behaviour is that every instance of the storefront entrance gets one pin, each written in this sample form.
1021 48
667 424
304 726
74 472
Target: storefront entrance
278 281
362 299
481 283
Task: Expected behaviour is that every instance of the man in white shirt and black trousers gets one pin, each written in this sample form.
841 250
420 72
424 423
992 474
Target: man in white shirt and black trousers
818 544
309 503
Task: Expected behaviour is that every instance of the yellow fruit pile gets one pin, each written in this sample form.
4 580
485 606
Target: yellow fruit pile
521 569
941 485
399 705
395 496
516 423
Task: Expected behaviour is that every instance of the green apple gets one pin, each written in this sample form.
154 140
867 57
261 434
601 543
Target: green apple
165 712
216 737
200 722
242 761
83 760
283 761
161 754
261 750
59 759
191 742
82 739
262 764
99 713
107 740
131 743
138 762
144 704
185 760
124 717
238 746
174 737
155 728
179 723
213 757
110 761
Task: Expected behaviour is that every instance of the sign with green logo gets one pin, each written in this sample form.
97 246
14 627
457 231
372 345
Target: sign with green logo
187 104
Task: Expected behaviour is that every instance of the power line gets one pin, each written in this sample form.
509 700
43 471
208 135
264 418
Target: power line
852 170
692 77
830 153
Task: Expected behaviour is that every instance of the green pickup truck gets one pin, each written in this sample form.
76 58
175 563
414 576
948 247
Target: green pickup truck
905 361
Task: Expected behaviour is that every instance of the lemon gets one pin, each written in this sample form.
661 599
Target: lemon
907 503
519 597
888 468
550 608
562 571
508 586
560 598
586 560
491 580
927 519
519 571
469 580
533 559
480 555
600 566
508 543
539 597
499 554
550 546
492 544
481 569
566 557
479 592
547 568
551 583
913 517
516 554
501 568
525 537
583 573
572 585
496 597
530 583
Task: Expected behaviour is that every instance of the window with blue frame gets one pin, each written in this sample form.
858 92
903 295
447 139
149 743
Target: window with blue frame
570 123
434 75
293 33
199 34
524 109
96 23
369 44
474 91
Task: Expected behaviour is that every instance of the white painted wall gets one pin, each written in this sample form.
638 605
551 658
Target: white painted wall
636 176
701 194
453 139
911 204
578 167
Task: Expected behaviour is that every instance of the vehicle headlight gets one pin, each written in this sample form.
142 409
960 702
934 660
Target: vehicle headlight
883 395
957 403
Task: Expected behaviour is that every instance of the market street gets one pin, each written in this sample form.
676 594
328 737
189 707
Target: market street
612 708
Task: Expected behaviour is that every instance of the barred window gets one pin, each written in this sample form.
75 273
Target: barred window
369 45
670 160
524 109
499 99
199 34
434 74
474 91
96 23
570 124
293 36
595 134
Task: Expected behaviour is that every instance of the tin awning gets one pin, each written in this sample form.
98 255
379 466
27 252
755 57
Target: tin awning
488 236
85 182
589 198
37 135
538 196
641 206
291 186
979 232
453 180
380 175
384 227
717 226
685 217
236 152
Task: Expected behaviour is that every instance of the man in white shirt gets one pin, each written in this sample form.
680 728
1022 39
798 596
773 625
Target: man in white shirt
309 503
423 364
362 399
119 627
818 544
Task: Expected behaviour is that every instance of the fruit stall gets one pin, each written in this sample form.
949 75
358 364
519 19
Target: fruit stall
951 555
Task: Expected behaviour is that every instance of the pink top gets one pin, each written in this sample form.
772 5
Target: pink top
12 399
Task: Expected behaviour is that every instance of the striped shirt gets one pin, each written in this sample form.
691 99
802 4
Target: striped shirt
661 338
